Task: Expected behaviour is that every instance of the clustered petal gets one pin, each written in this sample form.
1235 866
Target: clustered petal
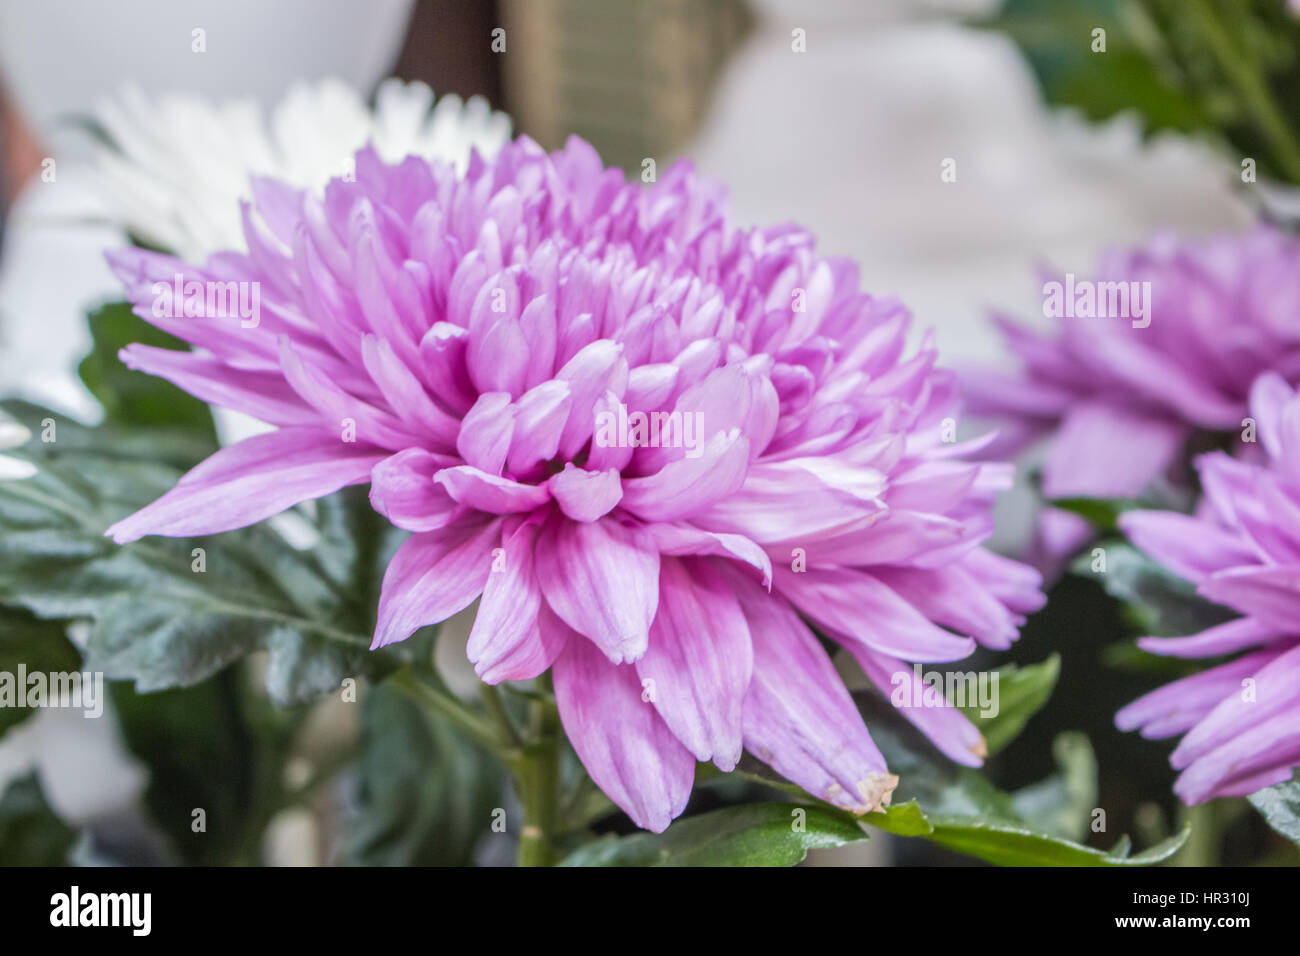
1118 399
1240 720
653 446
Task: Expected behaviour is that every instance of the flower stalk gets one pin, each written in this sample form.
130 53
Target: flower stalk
537 778
532 756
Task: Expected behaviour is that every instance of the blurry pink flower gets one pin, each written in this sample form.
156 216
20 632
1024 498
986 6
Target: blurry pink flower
474 346
1240 720
1117 404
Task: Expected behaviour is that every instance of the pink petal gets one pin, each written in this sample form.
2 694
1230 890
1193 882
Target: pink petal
954 598
1227 638
263 395
486 432
586 495
1104 452
594 370
1277 691
1269 395
433 576
798 716
602 579
403 491
1271 594
687 486
540 417
946 726
858 608
761 508
1191 547
681 539
1177 706
484 492
507 642
619 737
442 353
339 407
249 481
605 454
404 393
539 328
698 680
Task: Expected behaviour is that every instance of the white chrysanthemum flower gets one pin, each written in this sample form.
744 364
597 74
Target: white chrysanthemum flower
174 168
11 436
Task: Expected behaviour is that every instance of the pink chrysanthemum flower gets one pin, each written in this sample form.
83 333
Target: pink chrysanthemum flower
482 349
1240 720
1118 401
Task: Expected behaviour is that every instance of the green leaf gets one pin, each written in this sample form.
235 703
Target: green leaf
901 819
31 834
135 398
172 612
1021 693
426 794
1222 67
1007 844
57 436
36 645
1159 602
755 834
1102 512
1280 806
1056 37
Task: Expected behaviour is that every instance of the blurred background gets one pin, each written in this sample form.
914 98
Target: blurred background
839 114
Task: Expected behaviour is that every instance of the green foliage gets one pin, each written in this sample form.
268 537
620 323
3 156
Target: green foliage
1022 691
753 834
1226 68
1280 806
137 399
165 613
426 792
1057 39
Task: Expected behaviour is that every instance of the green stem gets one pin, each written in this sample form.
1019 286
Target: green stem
1250 84
496 709
537 776
534 759
457 713
1202 847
